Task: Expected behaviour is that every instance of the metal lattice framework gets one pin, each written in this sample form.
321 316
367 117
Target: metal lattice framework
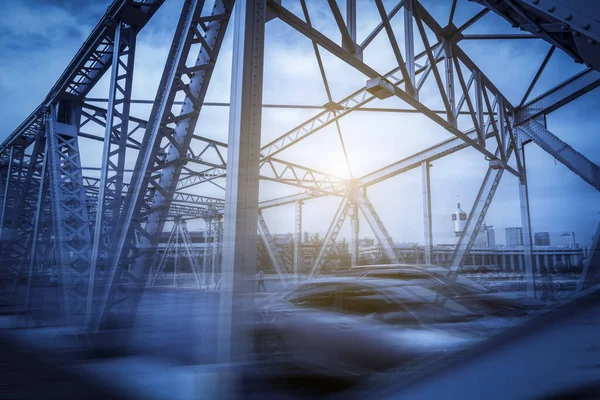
105 226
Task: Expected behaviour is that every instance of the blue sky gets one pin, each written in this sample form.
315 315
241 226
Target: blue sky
39 38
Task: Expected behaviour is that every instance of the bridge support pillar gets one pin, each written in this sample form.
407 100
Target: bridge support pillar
241 198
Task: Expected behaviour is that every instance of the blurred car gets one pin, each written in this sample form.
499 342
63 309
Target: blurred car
457 287
351 327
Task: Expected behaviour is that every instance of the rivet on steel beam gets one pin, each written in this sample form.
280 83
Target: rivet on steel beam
551 9
568 17
535 1
586 26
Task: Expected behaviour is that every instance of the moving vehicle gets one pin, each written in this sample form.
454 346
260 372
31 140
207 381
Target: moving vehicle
352 326
447 283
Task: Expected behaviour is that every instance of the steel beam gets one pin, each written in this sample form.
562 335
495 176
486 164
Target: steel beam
26 214
559 96
571 25
36 239
426 185
281 201
526 224
71 224
298 241
383 237
330 237
354 233
305 29
409 41
546 103
590 275
476 217
12 192
272 250
241 202
113 157
568 156
156 173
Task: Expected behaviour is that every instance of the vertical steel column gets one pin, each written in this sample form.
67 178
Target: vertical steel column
113 156
425 166
298 241
526 222
7 186
18 245
351 18
216 249
205 259
69 208
354 234
409 42
35 236
241 199
12 191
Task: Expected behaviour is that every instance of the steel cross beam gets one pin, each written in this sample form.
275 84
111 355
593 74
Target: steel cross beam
382 235
571 158
379 81
476 216
271 248
275 170
330 237
546 103
155 177
179 245
271 169
92 189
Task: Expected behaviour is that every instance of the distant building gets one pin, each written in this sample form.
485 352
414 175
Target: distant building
283 239
459 218
541 239
305 237
514 236
486 237
567 239
366 242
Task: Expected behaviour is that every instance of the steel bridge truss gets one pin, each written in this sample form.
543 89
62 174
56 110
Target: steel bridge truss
104 223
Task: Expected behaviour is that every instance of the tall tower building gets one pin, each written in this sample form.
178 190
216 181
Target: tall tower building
459 218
